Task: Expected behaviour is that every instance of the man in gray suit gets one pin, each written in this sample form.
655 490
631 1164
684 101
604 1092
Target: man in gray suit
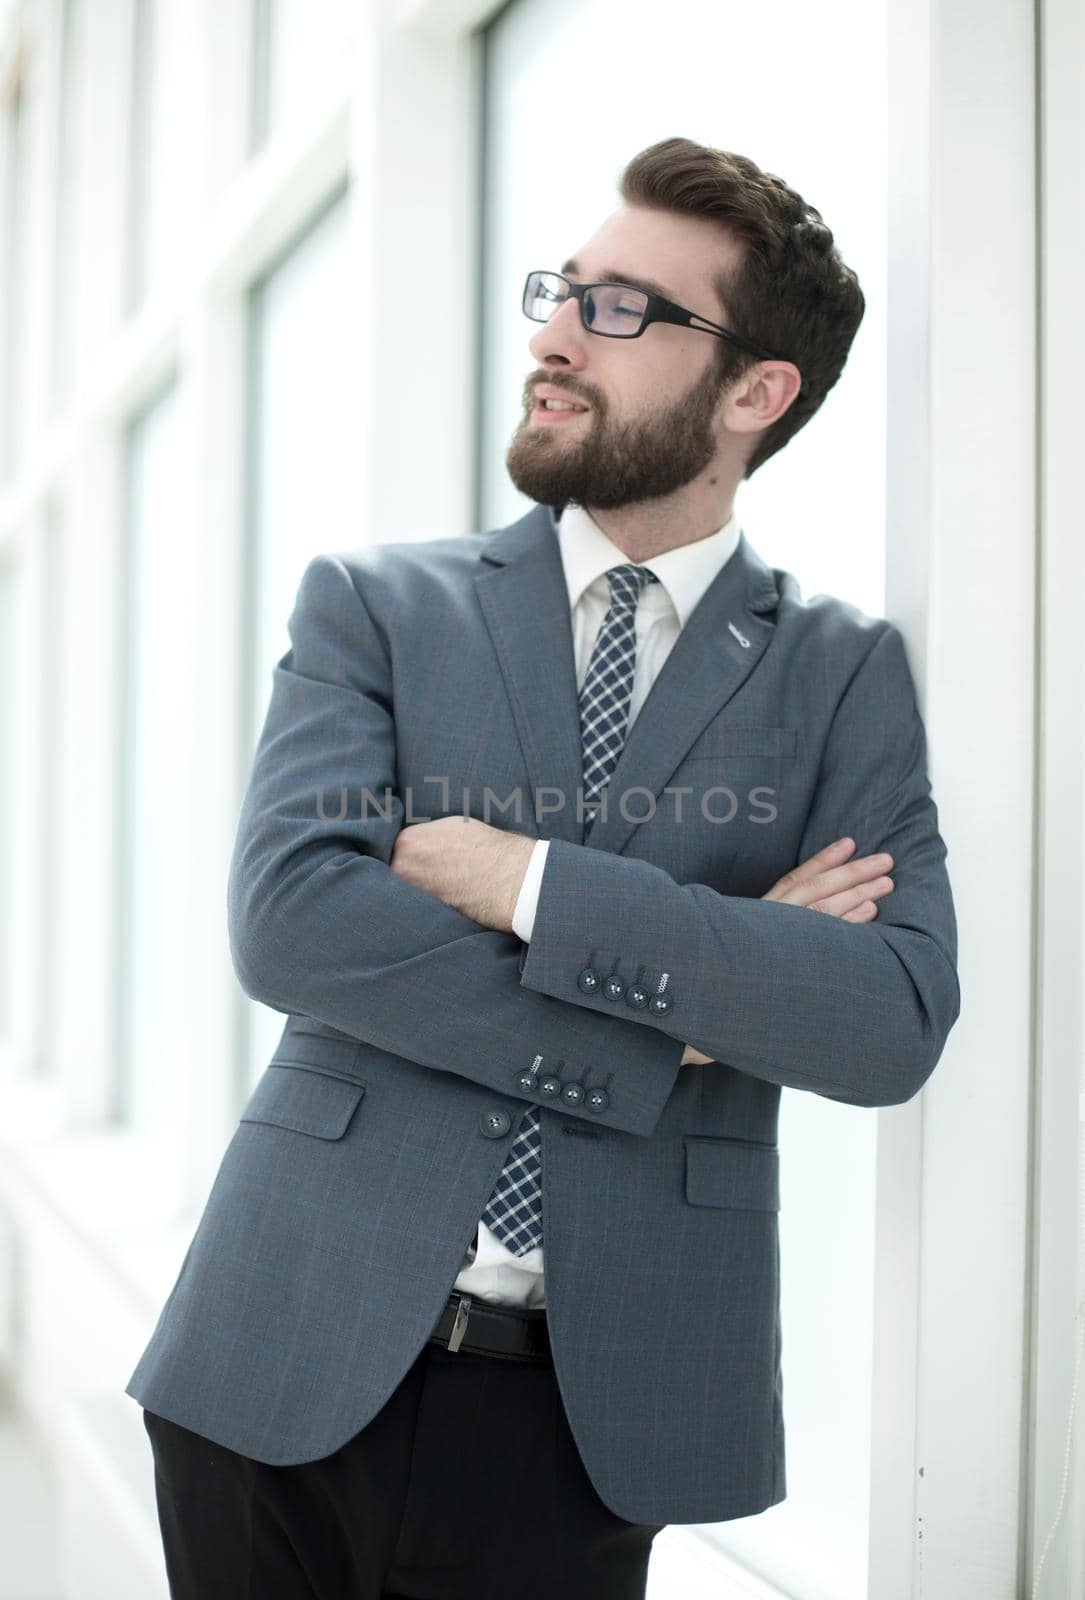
527 859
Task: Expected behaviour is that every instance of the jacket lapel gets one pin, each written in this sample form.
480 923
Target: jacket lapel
525 602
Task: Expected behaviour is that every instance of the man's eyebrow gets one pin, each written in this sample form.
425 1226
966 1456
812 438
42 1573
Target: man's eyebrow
615 275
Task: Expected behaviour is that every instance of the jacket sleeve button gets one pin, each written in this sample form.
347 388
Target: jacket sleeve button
614 987
597 1100
660 1004
550 1086
572 1093
588 981
636 996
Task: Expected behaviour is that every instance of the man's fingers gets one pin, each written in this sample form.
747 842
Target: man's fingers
852 901
857 878
803 885
832 855
864 913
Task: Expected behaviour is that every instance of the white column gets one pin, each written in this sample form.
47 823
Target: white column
953 1245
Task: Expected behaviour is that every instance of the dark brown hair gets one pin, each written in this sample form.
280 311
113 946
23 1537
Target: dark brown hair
792 292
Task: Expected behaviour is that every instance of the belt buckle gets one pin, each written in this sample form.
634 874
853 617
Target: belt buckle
459 1327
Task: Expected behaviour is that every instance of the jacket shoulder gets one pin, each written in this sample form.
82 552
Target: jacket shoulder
405 568
827 623
389 582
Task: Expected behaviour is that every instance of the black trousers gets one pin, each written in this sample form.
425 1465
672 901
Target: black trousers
466 1485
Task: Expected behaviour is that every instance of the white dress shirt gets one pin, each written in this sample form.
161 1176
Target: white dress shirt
490 1271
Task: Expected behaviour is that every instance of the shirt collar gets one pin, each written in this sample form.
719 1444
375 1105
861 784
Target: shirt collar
684 574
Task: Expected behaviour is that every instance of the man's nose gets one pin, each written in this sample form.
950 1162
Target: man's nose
564 336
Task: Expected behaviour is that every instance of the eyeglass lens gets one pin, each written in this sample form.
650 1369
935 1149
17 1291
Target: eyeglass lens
608 308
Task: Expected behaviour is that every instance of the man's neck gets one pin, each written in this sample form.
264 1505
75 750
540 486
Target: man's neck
648 529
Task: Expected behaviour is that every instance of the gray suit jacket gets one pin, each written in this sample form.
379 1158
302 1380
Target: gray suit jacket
354 1181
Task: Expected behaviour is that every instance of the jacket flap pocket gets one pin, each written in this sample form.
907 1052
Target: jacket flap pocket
335 1051
304 1100
727 1172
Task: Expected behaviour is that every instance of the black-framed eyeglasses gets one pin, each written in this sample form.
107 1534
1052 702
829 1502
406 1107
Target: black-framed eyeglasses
620 311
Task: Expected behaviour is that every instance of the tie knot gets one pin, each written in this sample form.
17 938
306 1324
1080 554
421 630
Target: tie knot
627 583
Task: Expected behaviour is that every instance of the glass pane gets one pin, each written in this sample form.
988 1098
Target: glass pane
14 245
65 200
161 173
9 689
816 509
297 46
155 944
53 636
303 374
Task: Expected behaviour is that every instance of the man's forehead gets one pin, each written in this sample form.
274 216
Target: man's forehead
665 254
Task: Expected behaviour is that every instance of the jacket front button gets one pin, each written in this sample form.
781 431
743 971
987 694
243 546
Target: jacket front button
588 981
550 1086
495 1123
636 996
660 1004
597 1100
614 987
573 1094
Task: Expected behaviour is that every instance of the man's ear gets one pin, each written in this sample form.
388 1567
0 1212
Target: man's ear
762 395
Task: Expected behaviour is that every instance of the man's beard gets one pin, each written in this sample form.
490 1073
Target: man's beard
616 464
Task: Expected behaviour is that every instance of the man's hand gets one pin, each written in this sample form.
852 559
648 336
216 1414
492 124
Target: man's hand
831 883
472 867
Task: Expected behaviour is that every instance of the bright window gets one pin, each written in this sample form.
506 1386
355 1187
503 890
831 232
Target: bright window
302 376
817 509
156 940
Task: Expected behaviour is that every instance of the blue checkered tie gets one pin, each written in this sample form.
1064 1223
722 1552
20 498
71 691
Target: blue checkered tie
514 1209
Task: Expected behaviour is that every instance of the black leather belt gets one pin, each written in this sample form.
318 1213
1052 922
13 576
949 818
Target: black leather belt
485 1329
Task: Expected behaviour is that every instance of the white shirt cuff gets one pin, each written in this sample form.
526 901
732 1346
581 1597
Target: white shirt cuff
523 917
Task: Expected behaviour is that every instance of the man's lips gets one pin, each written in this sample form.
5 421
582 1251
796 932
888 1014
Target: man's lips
568 405
543 413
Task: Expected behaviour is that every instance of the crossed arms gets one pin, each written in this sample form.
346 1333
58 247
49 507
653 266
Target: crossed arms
320 925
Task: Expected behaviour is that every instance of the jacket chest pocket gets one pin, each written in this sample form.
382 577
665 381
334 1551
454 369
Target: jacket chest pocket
305 1099
735 741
